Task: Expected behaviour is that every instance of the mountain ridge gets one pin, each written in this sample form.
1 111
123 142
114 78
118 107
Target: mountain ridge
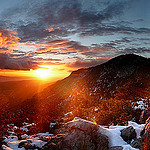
121 63
118 78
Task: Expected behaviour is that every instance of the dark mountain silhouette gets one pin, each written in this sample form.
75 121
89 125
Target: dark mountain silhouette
124 77
102 80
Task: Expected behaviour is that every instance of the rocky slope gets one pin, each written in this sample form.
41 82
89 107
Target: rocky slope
103 81
124 77
74 135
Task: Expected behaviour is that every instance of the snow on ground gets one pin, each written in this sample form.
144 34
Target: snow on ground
138 128
6 148
12 144
114 133
141 104
37 142
11 138
43 135
26 126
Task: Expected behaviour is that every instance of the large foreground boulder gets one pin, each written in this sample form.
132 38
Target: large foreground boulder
128 134
78 134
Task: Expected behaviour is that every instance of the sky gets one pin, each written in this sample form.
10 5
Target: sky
70 34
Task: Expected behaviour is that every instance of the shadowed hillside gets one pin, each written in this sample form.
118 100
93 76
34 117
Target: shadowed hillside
126 77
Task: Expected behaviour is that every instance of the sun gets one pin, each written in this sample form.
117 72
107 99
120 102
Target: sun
43 73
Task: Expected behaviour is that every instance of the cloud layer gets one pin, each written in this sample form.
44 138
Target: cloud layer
80 33
6 62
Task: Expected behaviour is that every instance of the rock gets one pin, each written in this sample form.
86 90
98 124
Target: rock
146 128
26 145
147 125
1 142
128 134
145 134
79 134
136 143
51 146
116 148
144 115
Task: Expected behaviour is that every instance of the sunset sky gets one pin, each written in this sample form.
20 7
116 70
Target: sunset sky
65 35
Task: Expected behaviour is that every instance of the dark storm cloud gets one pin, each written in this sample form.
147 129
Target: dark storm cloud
6 62
58 12
32 32
65 14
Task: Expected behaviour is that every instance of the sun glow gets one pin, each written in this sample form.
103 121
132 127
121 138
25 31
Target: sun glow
43 73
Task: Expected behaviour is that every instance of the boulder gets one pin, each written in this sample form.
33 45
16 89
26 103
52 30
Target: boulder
144 115
1 142
136 143
146 128
128 134
79 134
26 144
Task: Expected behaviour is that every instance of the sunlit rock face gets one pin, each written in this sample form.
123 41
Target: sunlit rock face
144 115
79 134
145 134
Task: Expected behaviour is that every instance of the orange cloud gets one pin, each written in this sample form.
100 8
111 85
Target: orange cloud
8 39
52 28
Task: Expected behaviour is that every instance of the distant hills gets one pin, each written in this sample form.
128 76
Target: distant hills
15 91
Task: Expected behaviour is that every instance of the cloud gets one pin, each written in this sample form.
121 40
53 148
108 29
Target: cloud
103 30
46 28
6 62
8 39
87 63
138 50
55 18
59 47
46 60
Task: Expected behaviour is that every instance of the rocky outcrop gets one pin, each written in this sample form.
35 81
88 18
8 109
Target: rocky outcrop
144 115
145 134
128 134
27 145
136 143
78 134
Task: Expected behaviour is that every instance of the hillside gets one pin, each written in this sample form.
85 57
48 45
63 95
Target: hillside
126 77
103 81
16 91
111 93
